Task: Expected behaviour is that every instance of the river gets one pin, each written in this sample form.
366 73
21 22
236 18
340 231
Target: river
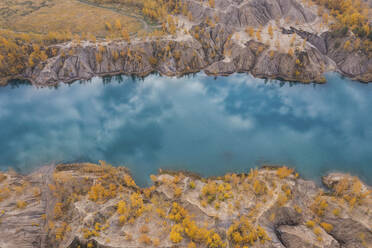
197 123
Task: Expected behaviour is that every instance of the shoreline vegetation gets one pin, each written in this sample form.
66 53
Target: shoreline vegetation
98 205
289 40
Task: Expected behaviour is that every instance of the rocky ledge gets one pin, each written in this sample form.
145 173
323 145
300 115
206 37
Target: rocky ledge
89 205
293 44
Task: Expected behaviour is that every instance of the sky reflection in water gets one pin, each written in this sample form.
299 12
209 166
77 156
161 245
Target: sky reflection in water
199 123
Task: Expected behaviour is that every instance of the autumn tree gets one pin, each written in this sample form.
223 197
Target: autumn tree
284 171
325 18
258 35
250 31
21 204
326 226
125 35
58 210
211 3
215 241
290 52
347 45
108 26
270 31
243 232
175 234
117 24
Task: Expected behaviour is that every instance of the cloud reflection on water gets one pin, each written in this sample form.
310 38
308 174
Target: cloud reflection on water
197 123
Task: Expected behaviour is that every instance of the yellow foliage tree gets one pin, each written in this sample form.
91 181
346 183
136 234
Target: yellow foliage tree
144 239
270 31
214 241
284 172
125 35
250 31
117 24
21 204
177 213
128 180
347 45
310 223
326 226
58 210
211 3
290 52
175 234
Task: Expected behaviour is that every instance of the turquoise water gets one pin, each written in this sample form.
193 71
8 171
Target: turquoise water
203 124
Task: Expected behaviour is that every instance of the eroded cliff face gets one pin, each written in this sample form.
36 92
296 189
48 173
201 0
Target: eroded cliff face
219 46
89 205
242 13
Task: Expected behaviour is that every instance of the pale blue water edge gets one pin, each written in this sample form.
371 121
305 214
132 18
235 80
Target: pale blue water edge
201 124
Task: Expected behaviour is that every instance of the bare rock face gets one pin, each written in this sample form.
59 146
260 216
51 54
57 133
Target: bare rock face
317 41
299 236
221 67
254 13
217 42
244 58
350 62
89 205
349 232
23 202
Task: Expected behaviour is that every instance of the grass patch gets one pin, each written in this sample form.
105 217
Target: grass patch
43 16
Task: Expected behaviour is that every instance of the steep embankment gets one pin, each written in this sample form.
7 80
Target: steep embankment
289 42
88 205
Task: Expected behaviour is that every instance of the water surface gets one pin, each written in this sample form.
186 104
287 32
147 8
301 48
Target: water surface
203 124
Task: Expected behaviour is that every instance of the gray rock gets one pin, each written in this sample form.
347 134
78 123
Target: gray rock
208 51
348 232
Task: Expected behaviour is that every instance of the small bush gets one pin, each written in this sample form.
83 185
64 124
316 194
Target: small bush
21 204
326 226
284 172
310 223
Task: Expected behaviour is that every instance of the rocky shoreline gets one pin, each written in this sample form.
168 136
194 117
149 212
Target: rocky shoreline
190 57
89 205
301 48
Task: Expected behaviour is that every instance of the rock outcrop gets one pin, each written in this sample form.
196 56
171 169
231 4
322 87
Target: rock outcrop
89 205
216 42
